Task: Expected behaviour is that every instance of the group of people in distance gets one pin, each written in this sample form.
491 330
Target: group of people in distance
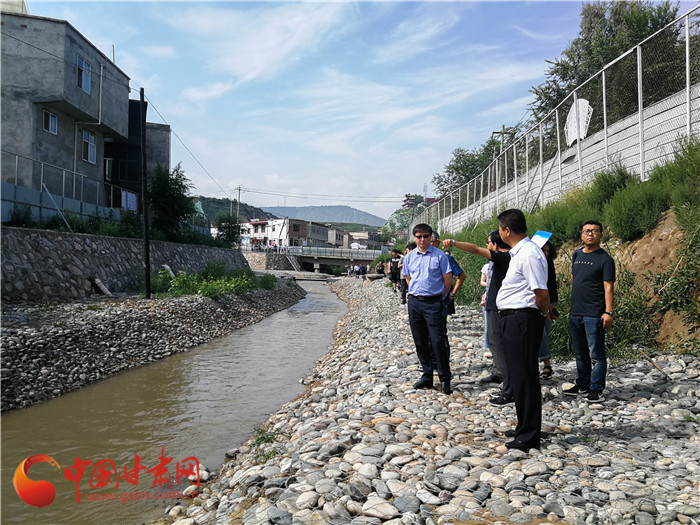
520 301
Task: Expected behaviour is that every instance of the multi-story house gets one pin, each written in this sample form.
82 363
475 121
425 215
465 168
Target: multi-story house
339 238
280 233
368 240
69 130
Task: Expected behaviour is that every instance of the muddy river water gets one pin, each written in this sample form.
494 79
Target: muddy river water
197 404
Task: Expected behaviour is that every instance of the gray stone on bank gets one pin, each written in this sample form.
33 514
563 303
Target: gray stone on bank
50 350
362 446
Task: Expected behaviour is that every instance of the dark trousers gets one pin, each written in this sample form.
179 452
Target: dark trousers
521 335
499 369
428 330
404 289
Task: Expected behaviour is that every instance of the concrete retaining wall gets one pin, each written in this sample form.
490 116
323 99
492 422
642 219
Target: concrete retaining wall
43 265
268 261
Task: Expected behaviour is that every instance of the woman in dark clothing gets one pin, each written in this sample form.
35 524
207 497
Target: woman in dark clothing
545 352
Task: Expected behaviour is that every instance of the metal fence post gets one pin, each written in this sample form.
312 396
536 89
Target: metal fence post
687 75
481 199
640 96
515 172
578 140
605 122
527 162
541 162
505 169
556 115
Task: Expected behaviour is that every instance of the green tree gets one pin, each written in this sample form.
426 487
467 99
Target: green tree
607 30
228 228
464 166
169 200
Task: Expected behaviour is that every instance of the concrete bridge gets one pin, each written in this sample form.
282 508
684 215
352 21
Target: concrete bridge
302 258
332 256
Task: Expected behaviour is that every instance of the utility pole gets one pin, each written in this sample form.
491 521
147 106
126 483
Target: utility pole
238 203
144 198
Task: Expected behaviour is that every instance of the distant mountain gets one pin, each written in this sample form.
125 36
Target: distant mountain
214 207
325 214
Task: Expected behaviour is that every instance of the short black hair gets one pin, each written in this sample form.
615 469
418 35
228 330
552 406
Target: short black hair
412 245
496 239
513 219
422 228
594 223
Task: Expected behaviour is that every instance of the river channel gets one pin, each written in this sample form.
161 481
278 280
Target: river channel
196 404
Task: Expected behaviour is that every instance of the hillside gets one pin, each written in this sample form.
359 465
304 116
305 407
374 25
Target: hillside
214 207
324 214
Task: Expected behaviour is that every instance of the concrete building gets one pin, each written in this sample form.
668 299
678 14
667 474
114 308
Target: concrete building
283 233
68 126
368 240
339 238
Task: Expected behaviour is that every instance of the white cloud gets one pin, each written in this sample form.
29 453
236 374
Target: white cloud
416 36
252 43
519 105
159 51
206 93
537 36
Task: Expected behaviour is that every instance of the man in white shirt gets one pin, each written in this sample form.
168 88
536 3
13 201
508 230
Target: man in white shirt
523 303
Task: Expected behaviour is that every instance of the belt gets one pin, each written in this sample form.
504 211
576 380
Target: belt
511 311
427 298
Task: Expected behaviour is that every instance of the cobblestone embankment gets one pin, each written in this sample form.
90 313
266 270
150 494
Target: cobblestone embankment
50 350
363 447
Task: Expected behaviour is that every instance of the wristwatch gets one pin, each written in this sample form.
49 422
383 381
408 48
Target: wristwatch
609 313
451 294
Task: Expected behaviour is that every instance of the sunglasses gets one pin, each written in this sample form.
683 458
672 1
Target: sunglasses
422 236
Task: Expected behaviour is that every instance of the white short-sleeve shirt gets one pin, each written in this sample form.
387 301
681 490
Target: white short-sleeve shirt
527 272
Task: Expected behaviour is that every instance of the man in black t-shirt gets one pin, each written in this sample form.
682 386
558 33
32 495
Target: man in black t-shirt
591 313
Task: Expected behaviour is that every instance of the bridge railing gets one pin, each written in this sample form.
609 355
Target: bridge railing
337 253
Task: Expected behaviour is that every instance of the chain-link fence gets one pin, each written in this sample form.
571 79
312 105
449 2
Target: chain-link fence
632 113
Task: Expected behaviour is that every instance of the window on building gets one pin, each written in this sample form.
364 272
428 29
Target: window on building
109 169
50 123
295 227
84 74
89 147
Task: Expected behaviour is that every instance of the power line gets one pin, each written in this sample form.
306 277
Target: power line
188 149
320 196
307 196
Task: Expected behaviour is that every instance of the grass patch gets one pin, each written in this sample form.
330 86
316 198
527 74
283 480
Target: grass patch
214 281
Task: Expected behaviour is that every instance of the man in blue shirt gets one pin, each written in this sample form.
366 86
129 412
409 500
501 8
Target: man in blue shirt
429 276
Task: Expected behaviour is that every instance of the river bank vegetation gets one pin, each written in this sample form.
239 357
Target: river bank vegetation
214 281
629 210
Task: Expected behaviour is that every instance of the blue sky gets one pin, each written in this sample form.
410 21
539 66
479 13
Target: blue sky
353 103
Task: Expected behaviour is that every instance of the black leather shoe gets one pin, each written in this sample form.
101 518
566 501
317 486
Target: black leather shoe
491 379
511 434
521 445
445 388
423 383
501 400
